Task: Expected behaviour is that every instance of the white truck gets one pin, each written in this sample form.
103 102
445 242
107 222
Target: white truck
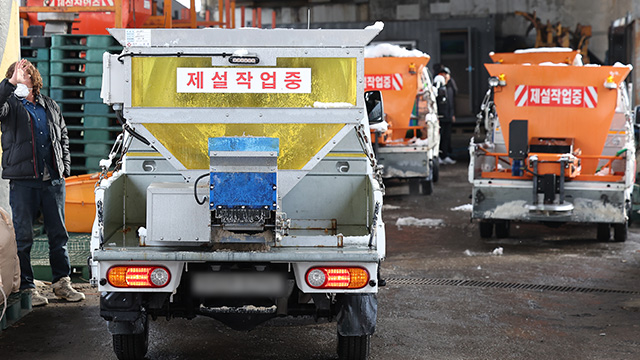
246 186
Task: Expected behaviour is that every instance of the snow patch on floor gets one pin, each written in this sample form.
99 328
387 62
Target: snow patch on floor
496 252
391 207
465 207
411 221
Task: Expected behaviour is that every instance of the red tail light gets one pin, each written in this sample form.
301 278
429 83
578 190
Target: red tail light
337 277
138 276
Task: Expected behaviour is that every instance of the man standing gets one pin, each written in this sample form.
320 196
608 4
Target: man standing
446 111
36 159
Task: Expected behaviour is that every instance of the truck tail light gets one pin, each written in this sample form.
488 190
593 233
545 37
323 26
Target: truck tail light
337 277
138 276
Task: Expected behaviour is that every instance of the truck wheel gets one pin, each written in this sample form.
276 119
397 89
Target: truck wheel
132 346
353 347
427 187
414 186
604 233
502 229
486 229
435 170
620 232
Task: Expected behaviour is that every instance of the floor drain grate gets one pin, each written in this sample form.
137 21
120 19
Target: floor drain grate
502 285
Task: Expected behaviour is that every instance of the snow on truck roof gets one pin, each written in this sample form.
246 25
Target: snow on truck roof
543 49
382 50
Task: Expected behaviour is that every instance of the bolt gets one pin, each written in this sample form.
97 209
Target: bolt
372 283
103 281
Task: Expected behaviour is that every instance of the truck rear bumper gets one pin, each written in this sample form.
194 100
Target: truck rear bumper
593 202
286 255
300 260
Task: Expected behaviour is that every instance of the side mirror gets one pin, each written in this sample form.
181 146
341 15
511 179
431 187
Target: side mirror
375 108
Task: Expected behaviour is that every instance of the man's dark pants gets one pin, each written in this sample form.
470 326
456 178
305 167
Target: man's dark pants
27 197
445 138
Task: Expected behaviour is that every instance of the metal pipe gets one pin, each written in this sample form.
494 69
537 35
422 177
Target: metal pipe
233 14
259 19
167 14
253 18
192 14
273 19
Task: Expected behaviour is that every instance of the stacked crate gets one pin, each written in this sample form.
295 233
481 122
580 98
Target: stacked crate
76 78
36 49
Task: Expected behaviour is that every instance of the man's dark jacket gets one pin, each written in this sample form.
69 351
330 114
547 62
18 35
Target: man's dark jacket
18 142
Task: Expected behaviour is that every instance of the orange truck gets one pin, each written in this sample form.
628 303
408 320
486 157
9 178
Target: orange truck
559 144
406 143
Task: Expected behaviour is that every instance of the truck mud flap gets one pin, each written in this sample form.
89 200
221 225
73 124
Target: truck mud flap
358 314
138 326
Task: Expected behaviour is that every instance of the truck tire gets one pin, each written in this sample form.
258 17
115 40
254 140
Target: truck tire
354 347
620 232
502 229
427 187
604 233
486 229
435 170
132 346
414 186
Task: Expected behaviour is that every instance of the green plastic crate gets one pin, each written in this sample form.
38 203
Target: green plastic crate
92 163
83 41
36 54
68 68
89 55
97 109
79 250
76 82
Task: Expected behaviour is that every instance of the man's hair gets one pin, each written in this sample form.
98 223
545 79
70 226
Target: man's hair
36 79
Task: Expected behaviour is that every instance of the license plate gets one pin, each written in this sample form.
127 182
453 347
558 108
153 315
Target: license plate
238 284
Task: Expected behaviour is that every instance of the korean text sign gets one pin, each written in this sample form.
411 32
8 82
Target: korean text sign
243 80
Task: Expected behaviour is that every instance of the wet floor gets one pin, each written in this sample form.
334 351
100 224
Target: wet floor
426 311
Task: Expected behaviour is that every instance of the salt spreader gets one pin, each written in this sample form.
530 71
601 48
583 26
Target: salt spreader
247 187
408 141
559 145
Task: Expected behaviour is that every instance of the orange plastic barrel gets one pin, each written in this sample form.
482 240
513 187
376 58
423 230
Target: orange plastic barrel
80 207
397 78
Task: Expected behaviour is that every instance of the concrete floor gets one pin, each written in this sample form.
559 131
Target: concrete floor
415 321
